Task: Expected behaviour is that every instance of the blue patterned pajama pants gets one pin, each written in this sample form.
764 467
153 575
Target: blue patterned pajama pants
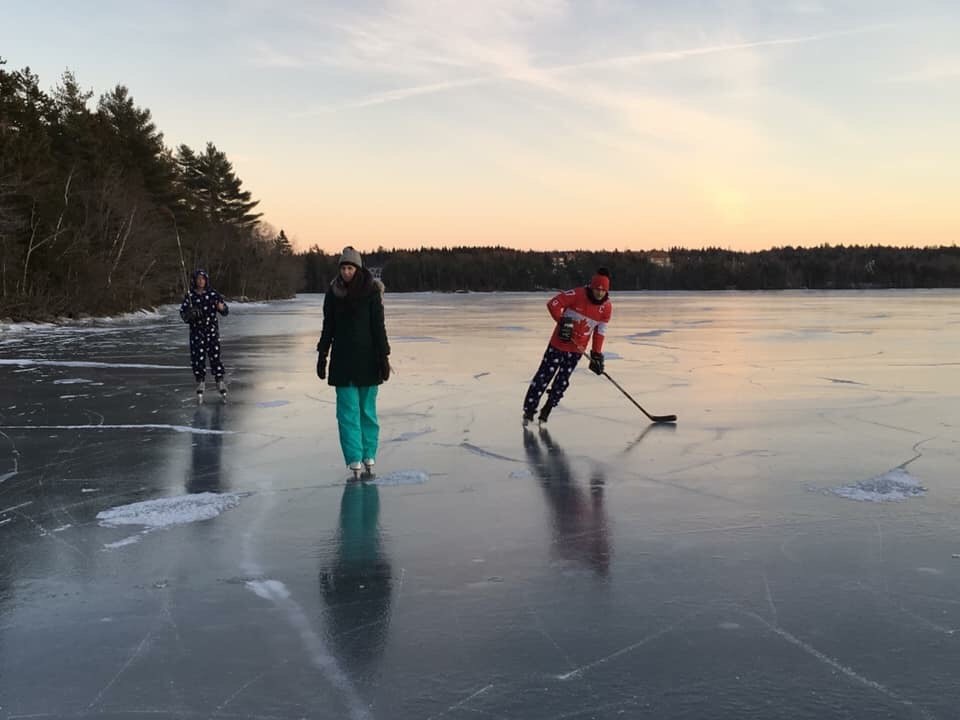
557 365
204 348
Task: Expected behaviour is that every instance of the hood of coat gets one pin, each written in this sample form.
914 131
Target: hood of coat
362 285
198 274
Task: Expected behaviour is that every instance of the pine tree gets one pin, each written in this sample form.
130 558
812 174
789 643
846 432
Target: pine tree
214 189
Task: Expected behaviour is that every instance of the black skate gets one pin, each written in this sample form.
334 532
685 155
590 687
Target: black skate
544 414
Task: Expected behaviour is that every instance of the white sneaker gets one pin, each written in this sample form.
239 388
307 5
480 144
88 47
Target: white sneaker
356 468
368 465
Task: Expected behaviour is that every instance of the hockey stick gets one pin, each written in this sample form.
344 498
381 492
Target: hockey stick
653 418
183 267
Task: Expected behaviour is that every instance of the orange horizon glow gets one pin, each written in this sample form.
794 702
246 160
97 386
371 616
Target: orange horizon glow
549 124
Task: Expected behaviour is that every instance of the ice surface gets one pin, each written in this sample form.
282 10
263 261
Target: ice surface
595 567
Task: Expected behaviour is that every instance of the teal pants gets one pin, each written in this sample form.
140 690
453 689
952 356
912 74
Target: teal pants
357 421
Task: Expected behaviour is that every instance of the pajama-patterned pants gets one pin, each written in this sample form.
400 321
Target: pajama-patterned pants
204 348
557 365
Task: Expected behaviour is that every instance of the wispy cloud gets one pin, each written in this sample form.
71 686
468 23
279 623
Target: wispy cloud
503 62
665 56
396 95
269 57
940 70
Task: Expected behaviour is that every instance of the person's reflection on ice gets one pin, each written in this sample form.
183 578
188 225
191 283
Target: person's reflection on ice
579 519
357 584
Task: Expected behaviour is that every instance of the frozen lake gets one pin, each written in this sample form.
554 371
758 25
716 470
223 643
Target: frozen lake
790 549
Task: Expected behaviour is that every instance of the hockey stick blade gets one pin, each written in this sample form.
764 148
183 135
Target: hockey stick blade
653 418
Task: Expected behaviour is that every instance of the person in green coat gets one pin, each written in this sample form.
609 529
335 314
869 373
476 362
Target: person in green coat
354 335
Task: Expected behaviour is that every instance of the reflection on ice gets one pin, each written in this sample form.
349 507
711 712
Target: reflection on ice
580 527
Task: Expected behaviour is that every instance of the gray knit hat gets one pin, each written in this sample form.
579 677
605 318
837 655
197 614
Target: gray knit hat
351 257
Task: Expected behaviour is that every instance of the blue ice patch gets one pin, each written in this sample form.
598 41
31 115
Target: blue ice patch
416 339
401 477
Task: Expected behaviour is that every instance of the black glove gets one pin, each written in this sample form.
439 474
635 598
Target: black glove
596 362
194 314
385 368
322 367
565 329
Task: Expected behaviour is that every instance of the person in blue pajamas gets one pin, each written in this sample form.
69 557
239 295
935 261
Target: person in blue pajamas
199 309
354 335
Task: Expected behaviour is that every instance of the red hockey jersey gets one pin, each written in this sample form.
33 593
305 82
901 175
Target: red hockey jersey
588 317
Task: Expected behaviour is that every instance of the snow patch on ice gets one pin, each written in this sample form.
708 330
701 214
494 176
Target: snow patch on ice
239 305
166 512
70 381
144 426
891 486
272 403
400 477
24 362
521 474
86 322
133 539
513 328
269 589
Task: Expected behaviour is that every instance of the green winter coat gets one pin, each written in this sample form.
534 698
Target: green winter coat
354 328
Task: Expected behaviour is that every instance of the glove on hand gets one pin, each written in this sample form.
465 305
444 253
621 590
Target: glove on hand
385 368
565 331
322 367
195 313
596 362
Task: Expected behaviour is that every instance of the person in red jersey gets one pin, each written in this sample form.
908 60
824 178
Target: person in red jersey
581 315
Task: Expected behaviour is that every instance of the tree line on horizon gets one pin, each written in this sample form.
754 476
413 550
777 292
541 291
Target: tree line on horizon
484 269
98 216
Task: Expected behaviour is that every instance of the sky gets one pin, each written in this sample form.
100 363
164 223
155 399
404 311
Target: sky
545 124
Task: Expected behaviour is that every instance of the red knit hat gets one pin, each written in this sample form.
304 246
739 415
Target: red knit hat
601 280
